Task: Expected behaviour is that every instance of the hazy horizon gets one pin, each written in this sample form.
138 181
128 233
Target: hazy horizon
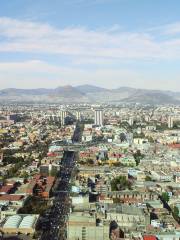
107 43
106 88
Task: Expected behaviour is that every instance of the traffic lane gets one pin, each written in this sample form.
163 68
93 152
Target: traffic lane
62 208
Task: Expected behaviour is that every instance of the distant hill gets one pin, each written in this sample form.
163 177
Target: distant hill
90 89
67 92
16 92
89 93
152 97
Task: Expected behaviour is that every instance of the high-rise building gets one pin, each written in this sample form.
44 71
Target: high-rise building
78 115
1 157
98 117
12 117
63 115
147 118
170 122
131 121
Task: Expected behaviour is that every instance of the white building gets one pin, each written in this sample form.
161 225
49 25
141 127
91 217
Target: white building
131 121
78 115
98 117
147 118
170 122
63 115
24 224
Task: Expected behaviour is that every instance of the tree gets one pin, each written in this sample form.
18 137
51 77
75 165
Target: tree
150 139
148 178
176 125
122 137
117 164
33 205
176 212
90 161
161 127
165 196
24 174
138 156
120 183
53 172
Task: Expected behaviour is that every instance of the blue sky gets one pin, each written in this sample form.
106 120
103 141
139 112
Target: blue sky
109 43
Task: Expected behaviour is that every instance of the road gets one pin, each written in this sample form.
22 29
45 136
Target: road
54 226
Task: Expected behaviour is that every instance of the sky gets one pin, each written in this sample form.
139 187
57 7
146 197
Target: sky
107 43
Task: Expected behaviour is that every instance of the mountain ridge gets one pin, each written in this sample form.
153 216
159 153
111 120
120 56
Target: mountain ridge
90 93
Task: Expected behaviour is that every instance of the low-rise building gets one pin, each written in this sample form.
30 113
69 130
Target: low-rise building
19 224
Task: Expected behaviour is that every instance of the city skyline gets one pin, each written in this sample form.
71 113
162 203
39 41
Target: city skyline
106 43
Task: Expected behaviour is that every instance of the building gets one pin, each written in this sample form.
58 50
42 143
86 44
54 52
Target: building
41 186
176 177
24 224
78 115
12 117
98 117
82 226
1 157
63 114
15 200
147 118
47 169
127 216
127 196
131 121
170 122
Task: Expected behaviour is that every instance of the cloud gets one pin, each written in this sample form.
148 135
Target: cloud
34 66
95 56
79 42
171 29
38 73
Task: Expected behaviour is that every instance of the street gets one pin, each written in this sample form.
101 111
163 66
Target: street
54 226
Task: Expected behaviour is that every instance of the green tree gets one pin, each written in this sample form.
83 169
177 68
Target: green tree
122 137
165 196
90 161
148 178
120 183
53 172
24 174
176 212
150 139
138 156
162 127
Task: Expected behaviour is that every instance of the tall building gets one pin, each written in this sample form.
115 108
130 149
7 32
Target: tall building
131 121
170 122
12 117
63 115
98 117
147 118
78 115
1 157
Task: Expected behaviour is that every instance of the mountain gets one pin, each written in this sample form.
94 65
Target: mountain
150 96
89 93
90 88
68 94
67 91
16 92
60 94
